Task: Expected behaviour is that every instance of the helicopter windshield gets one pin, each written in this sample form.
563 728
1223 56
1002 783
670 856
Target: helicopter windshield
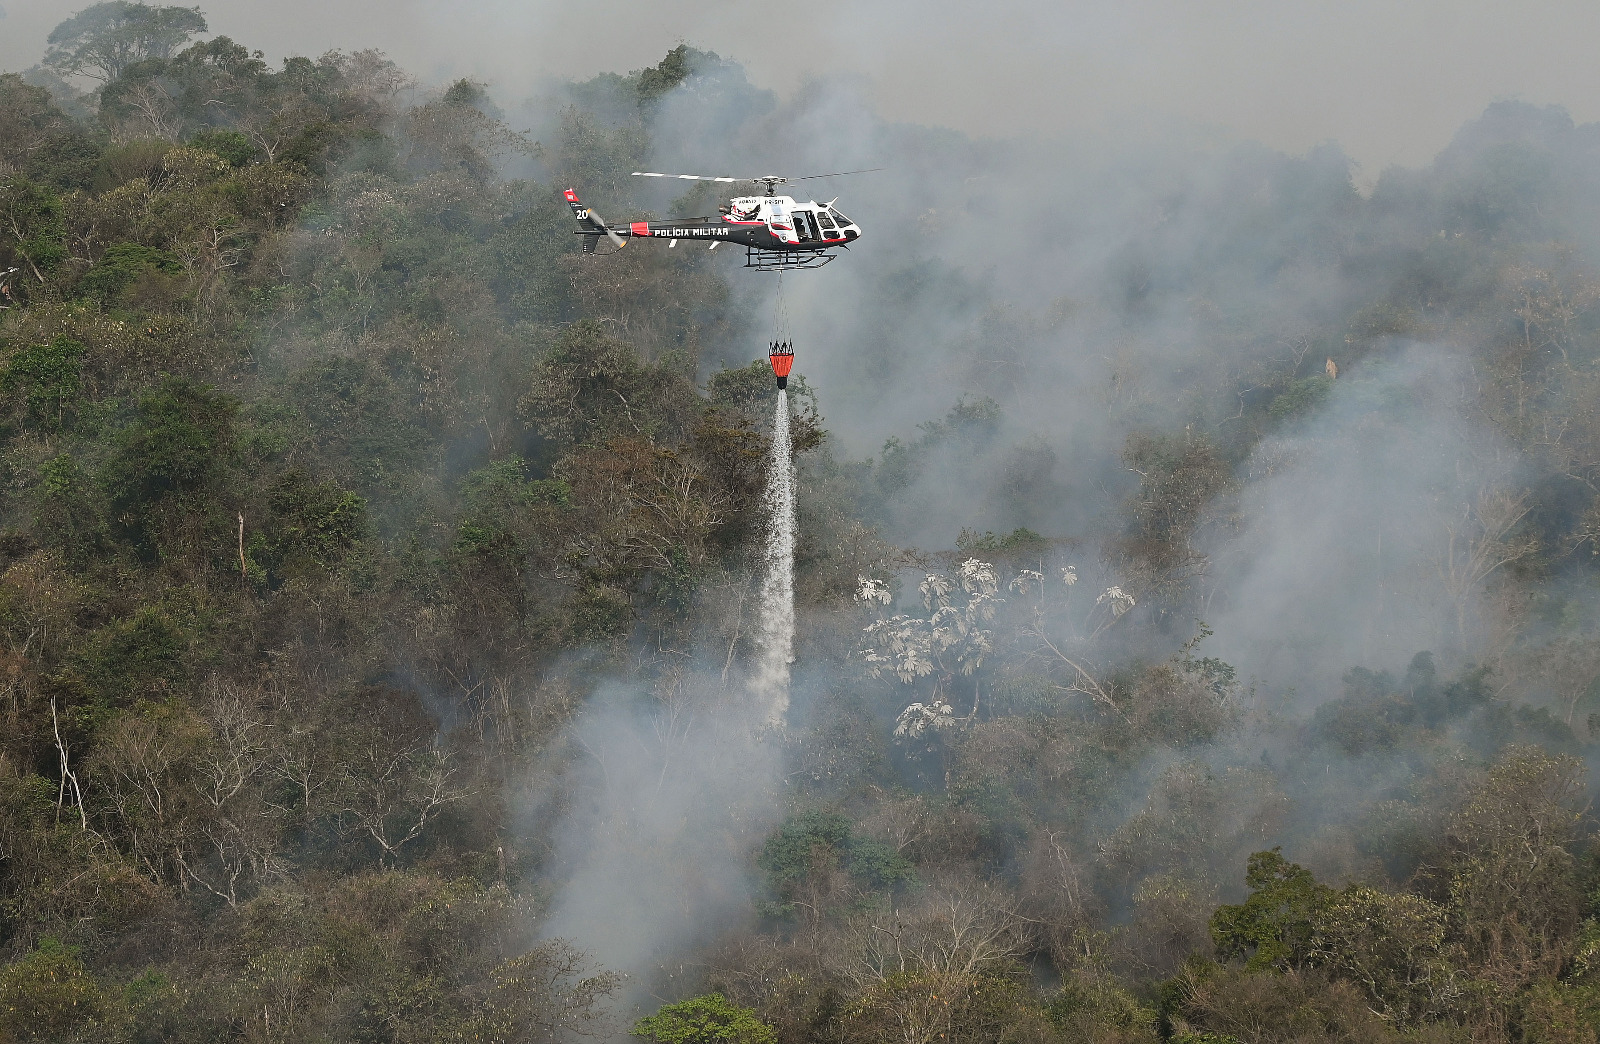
843 221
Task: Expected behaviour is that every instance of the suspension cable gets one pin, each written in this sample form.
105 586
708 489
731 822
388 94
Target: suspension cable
781 331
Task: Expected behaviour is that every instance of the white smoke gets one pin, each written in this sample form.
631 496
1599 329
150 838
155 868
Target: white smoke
1357 528
658 805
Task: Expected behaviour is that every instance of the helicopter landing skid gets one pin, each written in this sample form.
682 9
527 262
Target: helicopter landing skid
783 261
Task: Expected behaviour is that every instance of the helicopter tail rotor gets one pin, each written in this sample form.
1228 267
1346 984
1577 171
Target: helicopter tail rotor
616 240
588 216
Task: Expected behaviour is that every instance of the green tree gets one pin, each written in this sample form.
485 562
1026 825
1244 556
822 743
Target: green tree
28 119
123 263
1276 926
711 1019
50 378
181 431
1513 883
680 63
591 387
312 524
30 225
803 854
1180 476
48 996
462 132
102 41
1393 947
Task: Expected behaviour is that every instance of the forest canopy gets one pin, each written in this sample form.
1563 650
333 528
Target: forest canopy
1207 653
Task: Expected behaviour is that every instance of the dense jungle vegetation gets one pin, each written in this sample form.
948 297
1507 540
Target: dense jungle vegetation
335 483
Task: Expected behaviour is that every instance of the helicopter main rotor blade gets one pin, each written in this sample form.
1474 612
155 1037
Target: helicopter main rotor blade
839 174
686 177
764 179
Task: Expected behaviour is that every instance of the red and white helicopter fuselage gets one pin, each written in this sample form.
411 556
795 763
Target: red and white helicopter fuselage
778 232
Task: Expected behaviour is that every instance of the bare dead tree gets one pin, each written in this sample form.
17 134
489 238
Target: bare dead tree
957 931
392 795
156 115
1479 543
67 775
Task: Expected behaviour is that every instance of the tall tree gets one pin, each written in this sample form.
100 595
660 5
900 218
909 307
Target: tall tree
102 41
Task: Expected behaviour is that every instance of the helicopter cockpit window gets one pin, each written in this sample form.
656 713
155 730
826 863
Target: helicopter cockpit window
804 225
843 221
827 222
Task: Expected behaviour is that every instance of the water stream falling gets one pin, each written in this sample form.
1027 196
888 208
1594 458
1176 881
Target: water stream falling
775 649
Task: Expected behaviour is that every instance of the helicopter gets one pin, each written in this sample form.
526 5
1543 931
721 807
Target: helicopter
779 234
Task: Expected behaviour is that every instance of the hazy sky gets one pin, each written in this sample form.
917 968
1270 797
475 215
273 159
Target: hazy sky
1390 81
